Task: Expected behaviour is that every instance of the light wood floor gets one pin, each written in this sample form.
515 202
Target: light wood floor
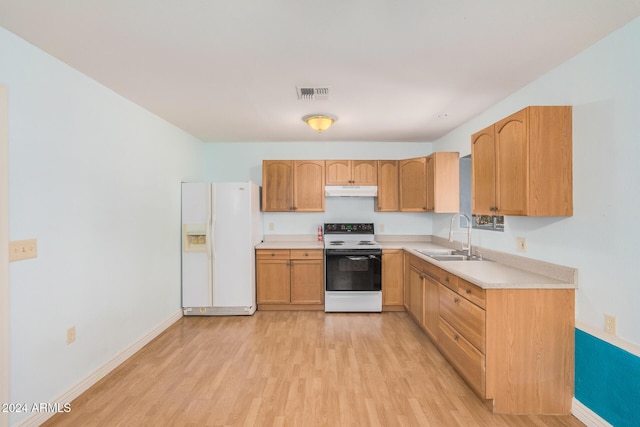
294 368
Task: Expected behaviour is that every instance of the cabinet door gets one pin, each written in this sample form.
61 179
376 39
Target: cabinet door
307 282
338 172
483 184
388 199
512 154
443 182
430 168
273 281
308 185
392 278
413 185
364 172
416 294
431 307
277 185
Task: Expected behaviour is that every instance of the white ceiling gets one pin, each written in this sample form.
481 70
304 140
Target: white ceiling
228 70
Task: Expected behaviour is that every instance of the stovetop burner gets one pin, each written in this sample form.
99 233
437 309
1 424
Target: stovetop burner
350 236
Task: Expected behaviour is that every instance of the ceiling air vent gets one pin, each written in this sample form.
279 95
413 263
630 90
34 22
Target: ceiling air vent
310 93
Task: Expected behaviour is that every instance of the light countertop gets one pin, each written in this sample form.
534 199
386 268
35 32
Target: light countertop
498 271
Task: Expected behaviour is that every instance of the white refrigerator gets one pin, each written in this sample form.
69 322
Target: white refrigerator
221 225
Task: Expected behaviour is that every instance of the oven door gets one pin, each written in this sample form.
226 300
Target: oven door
353 270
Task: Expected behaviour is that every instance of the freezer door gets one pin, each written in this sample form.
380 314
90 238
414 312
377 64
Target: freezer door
197 274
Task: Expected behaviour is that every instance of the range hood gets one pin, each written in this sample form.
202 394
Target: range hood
351 191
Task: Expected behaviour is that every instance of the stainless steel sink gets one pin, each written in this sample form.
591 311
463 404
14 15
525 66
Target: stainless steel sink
448 255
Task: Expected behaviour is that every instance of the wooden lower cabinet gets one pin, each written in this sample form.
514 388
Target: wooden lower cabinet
392 280
514 347
290 279
415 300
424 280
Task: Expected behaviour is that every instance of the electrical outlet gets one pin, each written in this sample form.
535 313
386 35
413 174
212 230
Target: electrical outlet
610 324
271 226
521 244
23 249
381 228
71 334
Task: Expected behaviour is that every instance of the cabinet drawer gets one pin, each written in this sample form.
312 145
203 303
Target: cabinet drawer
272 254
306 254
473 293
466 317
448 279
436 273
467 360
442 276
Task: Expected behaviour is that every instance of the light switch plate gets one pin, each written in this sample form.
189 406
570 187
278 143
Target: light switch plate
23 249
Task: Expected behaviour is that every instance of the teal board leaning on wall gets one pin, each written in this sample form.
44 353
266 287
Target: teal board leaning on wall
607 380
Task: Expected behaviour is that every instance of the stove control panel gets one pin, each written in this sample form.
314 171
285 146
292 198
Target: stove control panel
348 228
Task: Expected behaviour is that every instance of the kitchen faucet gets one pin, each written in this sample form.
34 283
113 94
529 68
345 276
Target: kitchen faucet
458 215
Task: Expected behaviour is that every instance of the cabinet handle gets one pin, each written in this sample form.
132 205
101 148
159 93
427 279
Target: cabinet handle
446 279
456 300
306 254
456 338
273 254
468 290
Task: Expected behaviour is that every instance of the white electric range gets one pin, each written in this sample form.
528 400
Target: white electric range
353 268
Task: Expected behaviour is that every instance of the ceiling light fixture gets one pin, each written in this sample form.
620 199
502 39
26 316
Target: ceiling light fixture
319 122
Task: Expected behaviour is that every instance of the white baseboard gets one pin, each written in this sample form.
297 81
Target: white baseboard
586 415
95 376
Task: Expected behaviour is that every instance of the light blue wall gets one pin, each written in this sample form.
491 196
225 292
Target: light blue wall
96 179
601 239
233 161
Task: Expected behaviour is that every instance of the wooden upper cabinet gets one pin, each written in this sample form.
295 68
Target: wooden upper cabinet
413 185
338 172
483 180
293 185
277 185
388 199
511 150
522 165
364 172
351 172
308 185
443 182
430 184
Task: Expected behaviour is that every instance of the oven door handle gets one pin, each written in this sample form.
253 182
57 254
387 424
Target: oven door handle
363 258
